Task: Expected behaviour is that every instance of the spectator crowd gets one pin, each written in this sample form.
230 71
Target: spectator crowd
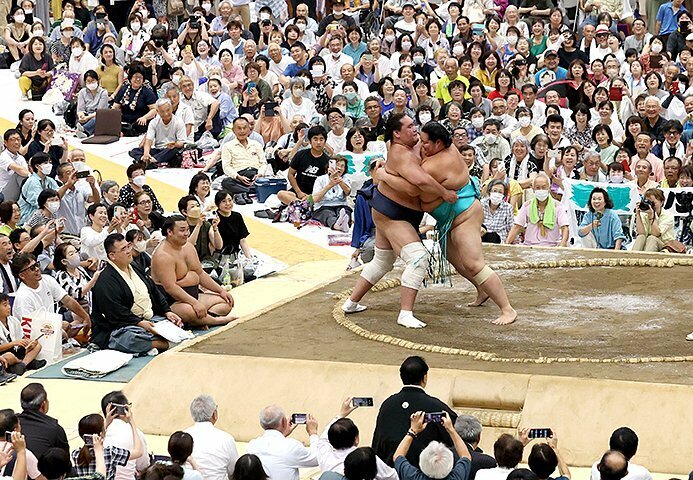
417 437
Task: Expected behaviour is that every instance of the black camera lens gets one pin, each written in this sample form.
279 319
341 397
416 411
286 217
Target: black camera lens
645 205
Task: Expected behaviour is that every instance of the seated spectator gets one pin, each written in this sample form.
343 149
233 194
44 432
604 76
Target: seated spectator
42 432
213 449
507 451
74 197
125 303
614 466
330 193
522 474
340 439
601 222
92 236
140 256
36 70
179 275
204 233
227 109
180 448
60 45
393 420
363 233
307 164
280 455
18 352
55 463
71 276
10 214
498 213
672 171
231 226
92 428
137 183
249 467
109 192
200 188
25 465
89 100
654 225
48 203
41 166
545 457
164 139
135 99
469 429
39 291
163 471
243 161
43 142
13 166
204 107
81 59
119 433
436 461
544 220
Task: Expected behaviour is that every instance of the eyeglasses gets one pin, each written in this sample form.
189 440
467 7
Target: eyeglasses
672 132
144 202
33 266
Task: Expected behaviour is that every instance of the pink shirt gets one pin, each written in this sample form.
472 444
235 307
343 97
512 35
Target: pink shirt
533 231
657 166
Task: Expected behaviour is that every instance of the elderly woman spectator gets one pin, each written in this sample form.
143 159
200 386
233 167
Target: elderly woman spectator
136 99
498 214
521 164
653 224
580 133
109 192
544 220
601 227
296 104
330 193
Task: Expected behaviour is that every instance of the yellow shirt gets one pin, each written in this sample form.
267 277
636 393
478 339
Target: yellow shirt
142 305
108 77
442 92
236 157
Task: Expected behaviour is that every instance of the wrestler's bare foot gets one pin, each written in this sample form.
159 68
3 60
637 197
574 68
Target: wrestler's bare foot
506 318
481 298
407 319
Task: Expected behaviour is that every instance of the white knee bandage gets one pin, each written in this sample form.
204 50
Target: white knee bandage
382 263
416 257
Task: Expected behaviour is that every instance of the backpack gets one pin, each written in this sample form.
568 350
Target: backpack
70 115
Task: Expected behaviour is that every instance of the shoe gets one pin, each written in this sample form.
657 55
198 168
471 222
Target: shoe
352 307
247 198
18 369
36 364
238 199
6 377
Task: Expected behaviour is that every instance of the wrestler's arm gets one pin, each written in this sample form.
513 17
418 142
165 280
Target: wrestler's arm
397 183
165 270
416 175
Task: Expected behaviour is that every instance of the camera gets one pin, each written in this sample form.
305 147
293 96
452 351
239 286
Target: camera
159 42
266 22
645 205
194 23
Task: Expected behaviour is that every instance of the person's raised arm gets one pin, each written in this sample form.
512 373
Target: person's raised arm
137 450
19 446
562 466
460 446
99 459
416 426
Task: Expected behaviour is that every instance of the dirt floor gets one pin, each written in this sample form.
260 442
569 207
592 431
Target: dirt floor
597 312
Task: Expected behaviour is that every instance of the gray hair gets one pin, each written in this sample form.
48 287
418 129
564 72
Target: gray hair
106 185
541 175
295 82
71 152
590 154
271 417
436 461
202 408
171 86
521 139
653 98
162 102
469 428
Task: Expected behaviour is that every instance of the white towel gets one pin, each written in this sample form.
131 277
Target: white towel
97 364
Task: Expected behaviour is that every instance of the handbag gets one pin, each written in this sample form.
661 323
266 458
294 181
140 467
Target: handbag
175 7
189 157
674 246
47 327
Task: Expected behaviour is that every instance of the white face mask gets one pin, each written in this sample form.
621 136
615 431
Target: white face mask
541 195
418 60
207 7
79 166
389 38
656 47
52 206
264 16
28 11
175 79
317 72
92 86
46 168
301 27
135 26
512 39
19 18
478 122
77 52
525 121
490 138
457 50
496 198
297 92
38 33
424 118
406 45
140 246
139 180
73 261
616 178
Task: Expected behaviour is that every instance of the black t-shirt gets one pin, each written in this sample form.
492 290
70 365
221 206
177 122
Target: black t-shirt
232 230
308 168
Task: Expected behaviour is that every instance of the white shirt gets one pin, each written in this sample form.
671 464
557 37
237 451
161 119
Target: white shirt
13 332
497 473
306 109
635 472
337 142
119 434
31 464
332 460
279 68
92 242
7 159
28 300
185 113
160 133
333 65
214 451
281 456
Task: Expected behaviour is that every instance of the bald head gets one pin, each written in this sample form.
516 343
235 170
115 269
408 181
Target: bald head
272 418
613 466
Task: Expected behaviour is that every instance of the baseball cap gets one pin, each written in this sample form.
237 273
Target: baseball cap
601 29
689 38
550 53
67 23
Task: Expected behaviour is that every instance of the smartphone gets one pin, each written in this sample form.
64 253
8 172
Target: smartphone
654 61
362 401
251 85
540 433
675 87
269 109
83 174
299 418
332 164
8 437
615 94
120 409
102 264
88 439
436 417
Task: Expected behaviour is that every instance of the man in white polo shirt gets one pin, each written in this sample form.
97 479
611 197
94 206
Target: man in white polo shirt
13 166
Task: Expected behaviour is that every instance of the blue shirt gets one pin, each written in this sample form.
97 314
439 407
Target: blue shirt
354 53
28 200
610 230
94 40
561 74
668 18
227 109
407 471
293 69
